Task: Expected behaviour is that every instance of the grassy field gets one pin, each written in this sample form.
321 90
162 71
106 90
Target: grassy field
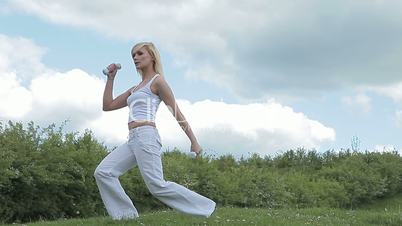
239 216
384 212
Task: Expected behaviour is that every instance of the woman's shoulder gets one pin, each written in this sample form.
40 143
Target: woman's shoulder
158 84
160 79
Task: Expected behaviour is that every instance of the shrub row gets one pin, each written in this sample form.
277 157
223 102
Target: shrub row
46 173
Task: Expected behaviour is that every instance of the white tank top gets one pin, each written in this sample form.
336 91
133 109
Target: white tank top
143 103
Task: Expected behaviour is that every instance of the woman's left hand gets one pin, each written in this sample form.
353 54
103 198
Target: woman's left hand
195 147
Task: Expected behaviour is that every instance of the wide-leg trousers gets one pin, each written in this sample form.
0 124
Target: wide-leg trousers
143 149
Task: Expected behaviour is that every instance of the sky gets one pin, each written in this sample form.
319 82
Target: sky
255 76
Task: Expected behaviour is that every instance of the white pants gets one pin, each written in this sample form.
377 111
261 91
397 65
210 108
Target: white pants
143 148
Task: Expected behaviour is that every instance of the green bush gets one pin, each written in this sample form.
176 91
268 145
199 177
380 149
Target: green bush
46 173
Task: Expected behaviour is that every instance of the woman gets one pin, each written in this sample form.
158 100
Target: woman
143 147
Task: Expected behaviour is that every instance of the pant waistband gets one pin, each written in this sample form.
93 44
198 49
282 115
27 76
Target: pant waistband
140 128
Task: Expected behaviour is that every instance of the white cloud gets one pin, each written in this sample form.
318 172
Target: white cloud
73 95
360 102
264 128
393 91
15 100
20 56
52 97
254 48
30 91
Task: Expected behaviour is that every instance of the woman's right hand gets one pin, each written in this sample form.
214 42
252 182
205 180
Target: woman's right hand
112 71
196 148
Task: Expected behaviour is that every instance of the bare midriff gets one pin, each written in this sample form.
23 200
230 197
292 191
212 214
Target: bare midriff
135 124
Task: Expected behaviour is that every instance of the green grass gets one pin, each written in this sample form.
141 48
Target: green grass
250 216
393 204
383 212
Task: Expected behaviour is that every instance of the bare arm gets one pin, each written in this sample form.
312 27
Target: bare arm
166 95
110 104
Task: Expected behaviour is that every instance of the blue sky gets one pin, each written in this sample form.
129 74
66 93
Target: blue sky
259 76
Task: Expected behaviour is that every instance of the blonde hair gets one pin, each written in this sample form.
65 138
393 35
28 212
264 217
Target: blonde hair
150 47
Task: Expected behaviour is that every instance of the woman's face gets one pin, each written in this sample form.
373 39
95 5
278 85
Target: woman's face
142 58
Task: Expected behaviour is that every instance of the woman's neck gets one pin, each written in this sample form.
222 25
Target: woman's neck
148 74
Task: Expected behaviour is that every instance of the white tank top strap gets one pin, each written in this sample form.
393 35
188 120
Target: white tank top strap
146 85
152 79
132 89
